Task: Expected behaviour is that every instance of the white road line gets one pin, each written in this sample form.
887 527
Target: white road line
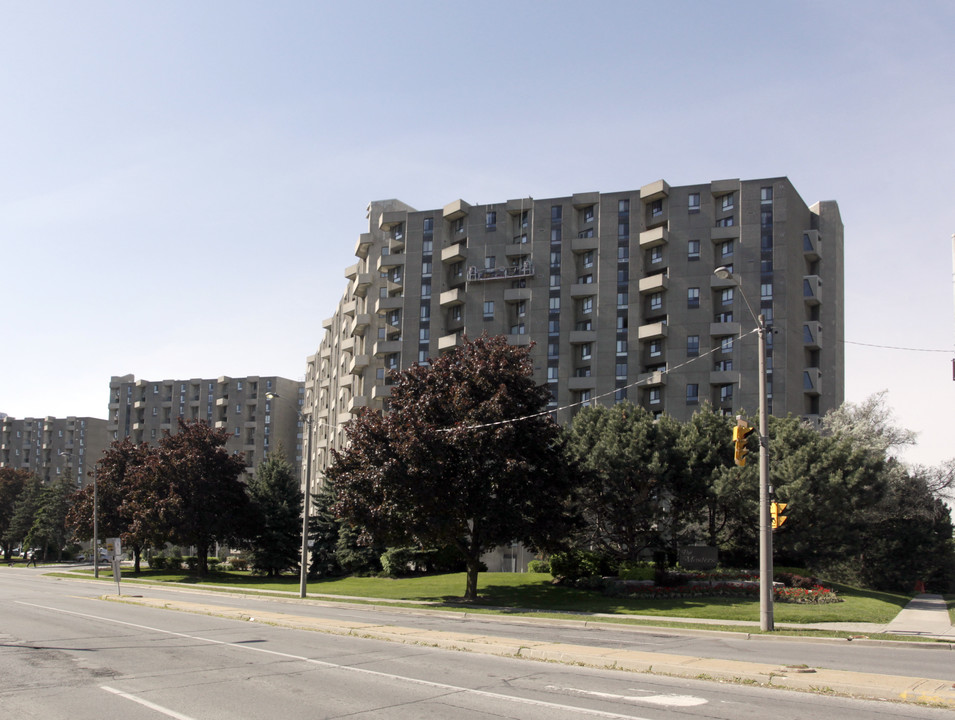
146 703
665 700
322 663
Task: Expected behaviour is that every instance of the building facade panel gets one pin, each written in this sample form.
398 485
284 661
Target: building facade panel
53 447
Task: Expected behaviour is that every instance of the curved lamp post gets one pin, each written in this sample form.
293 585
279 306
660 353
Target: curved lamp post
765 526
306 509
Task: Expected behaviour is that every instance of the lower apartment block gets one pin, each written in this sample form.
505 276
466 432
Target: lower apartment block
616 292
52 447
261 414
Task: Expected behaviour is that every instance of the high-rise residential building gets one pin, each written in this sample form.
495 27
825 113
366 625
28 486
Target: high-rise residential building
53 447
616 291
262 414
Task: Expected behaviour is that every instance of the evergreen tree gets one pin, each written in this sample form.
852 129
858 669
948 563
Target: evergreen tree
276 498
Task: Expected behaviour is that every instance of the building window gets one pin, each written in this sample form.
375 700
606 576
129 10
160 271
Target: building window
726 202
585 351
456 313
725 222
621 371
588 214
554 259
726 344
655 396
458 225
623 253
656 301
488 309
693 250
521 308
656 255
555 281
693 202
766 195
621 347
551 374
424 334
588 259
585 396
425 291
585 279
518 329
656 209
693 297
692 345
586 306
726 296
726 248
692 394
553 327
656 348
726 393
490 262
622 300
766 291
555 304
425 312
552 349
490 220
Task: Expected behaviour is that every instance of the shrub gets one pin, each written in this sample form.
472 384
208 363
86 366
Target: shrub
157 562
213 563
396 562
641 572
192 563
239 563
573 564
538 566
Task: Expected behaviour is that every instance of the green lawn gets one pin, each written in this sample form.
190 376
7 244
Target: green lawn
535 592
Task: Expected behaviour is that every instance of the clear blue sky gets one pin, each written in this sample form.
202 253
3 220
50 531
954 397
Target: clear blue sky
176 176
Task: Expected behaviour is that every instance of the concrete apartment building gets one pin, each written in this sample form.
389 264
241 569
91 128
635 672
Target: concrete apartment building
615 290
260 413
53 447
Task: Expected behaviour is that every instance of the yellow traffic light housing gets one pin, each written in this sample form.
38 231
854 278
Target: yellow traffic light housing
776 509
740 434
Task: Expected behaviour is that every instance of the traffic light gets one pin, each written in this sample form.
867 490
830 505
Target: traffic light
776 508
740 433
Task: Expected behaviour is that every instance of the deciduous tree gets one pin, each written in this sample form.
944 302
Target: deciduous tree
466 456
12 482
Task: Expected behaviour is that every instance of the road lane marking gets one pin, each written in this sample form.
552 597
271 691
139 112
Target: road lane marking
664 700
363 671
146 703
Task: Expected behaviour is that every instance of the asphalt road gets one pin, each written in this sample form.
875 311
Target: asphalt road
64 653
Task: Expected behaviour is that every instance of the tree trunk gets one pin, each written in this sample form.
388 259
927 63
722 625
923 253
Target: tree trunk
202 566
137 552
474 567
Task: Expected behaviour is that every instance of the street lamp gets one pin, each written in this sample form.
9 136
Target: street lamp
765 527
306 510
95 549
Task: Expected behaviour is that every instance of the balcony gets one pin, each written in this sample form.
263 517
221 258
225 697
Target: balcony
380 391
517 250
359 364
446 342
812 335
360 284
582 383
363 245
812 289
584 244
518 340
389 219
348 345
812 381
719 234
578 337
811 245
654 283
328 322
386 262
349 308
657 378
654 237
452 297
392 302
655 191
358 401
517 294
457 252
578 290
351 272
721 283
362 321
719 329
652 331
456 210
387 347
724 377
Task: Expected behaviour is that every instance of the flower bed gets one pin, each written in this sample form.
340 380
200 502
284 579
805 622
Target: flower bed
741 586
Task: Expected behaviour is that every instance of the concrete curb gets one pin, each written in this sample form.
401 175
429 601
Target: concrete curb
874 686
